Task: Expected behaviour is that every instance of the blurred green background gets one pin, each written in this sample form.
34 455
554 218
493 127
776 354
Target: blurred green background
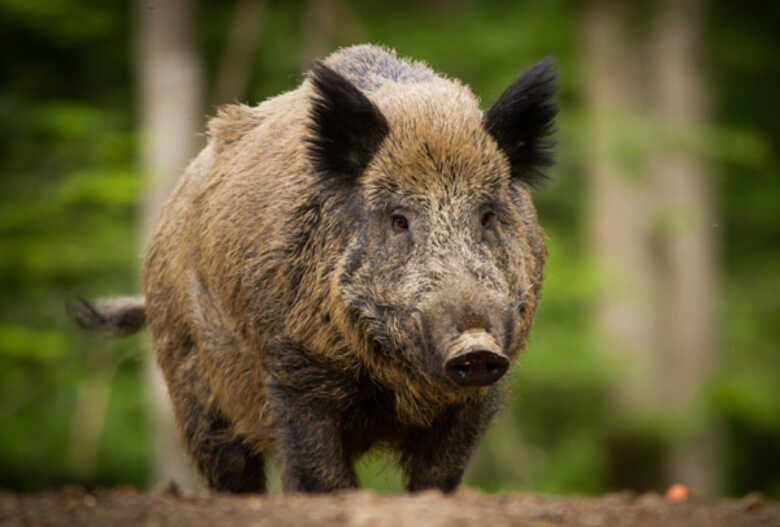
73 407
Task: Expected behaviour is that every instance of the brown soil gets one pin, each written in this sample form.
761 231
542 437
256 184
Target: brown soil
74 507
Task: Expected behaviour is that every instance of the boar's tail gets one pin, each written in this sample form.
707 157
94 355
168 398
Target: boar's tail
120 316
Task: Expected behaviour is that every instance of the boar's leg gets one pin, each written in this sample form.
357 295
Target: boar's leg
310 443
436 457
307 398
227 463
221 457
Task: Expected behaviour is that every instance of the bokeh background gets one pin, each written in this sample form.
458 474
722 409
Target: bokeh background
654 358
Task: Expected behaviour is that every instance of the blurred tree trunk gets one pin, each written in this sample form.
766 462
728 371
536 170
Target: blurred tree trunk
170 94
619 209
327 23
649 221
684 230
236 63
90 414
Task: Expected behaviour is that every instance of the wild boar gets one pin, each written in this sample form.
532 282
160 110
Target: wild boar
353 263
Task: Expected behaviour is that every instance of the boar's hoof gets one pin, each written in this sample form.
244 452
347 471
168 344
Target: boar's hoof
476 367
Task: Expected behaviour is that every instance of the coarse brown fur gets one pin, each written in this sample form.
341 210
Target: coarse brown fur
293 312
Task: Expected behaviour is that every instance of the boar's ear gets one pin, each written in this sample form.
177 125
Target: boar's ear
346 127
521 122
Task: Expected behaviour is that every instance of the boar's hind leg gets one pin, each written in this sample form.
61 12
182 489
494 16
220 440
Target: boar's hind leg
437 457
227 464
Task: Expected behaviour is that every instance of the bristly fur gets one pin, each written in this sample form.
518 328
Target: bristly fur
347 128
291 318
521 122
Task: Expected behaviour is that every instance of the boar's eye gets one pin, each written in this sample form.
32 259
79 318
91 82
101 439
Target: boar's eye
400 223
488 218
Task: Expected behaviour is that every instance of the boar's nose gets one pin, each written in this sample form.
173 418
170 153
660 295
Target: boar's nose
475 359
477 367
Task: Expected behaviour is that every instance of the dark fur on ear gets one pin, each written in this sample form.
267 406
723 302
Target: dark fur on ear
521 122
346 127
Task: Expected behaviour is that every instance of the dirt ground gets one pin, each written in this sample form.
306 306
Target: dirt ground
75 507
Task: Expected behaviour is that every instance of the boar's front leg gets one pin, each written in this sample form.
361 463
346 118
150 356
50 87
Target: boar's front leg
305 397
437 457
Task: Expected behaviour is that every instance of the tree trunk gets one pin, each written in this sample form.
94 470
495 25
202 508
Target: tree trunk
327 23
619 210
684 220
170 94
90 413
236 63
650 221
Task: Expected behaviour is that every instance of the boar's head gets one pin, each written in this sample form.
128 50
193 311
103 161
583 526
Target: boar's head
442 268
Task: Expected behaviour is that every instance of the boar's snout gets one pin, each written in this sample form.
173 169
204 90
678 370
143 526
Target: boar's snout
475 359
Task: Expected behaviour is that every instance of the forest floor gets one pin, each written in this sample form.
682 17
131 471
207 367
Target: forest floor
126 506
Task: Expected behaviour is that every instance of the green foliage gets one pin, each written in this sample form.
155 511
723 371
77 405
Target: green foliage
22 344
69 188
